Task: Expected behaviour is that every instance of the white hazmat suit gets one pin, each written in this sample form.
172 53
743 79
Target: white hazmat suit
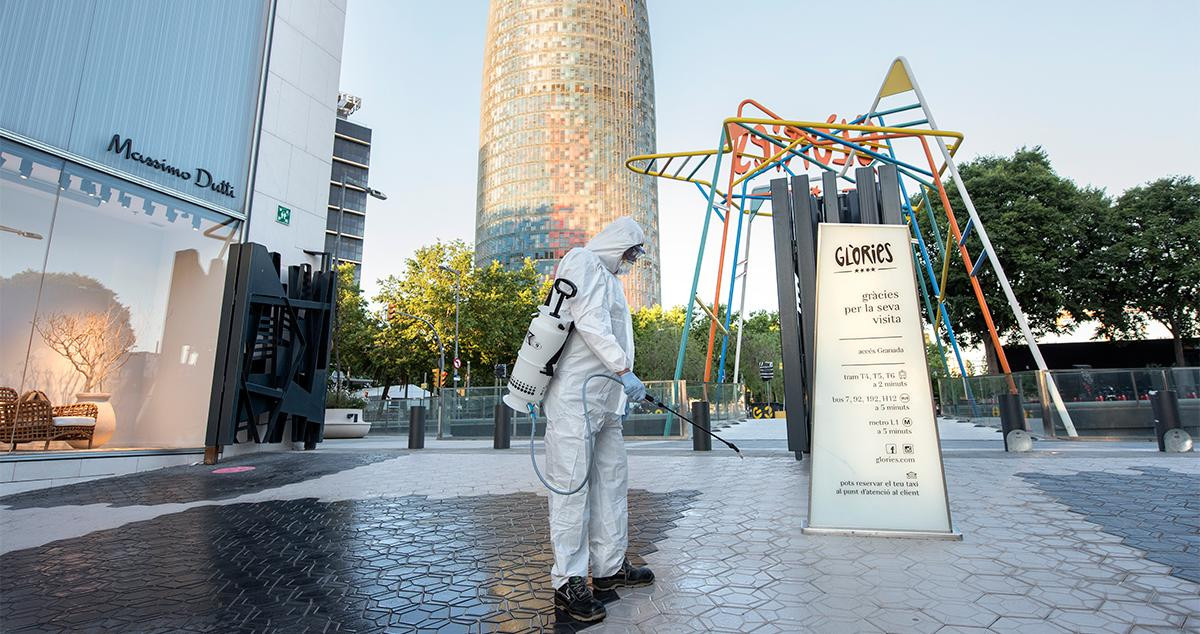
593 523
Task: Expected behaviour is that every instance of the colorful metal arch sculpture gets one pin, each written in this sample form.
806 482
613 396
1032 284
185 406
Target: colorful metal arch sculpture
757 145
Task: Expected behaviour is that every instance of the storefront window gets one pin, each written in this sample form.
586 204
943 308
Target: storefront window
109 293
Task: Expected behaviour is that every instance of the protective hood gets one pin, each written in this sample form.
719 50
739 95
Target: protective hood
613 240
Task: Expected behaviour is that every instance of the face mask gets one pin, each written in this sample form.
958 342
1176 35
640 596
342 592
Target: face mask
624 267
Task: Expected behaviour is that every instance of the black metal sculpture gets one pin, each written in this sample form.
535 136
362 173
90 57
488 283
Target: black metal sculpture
272 352
795 214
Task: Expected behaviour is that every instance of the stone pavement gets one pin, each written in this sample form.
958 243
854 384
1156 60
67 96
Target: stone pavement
358 536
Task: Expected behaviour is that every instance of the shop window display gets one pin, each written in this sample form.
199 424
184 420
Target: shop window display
109 294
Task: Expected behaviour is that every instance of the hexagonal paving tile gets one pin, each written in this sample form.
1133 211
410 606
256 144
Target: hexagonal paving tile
296 565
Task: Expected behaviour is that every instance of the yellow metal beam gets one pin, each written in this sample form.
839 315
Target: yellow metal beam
711 314
641 164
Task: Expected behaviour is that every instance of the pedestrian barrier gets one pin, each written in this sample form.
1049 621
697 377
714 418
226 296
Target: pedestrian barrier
470 412
700 416
416 427
1105 403
502 437
1168 430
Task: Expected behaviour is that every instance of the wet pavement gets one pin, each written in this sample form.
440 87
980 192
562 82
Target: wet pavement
462 564
354 540
255 472
1157 511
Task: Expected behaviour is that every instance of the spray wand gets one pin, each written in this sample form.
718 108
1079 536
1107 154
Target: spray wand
654 401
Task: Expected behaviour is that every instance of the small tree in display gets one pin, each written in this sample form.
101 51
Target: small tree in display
96 343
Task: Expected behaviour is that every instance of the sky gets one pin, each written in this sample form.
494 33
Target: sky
1071 76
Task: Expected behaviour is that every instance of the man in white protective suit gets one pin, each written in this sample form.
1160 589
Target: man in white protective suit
593 524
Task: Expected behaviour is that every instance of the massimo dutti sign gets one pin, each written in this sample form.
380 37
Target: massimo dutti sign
198 176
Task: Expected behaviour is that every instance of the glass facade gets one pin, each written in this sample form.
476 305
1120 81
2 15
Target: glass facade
127 130
568 96
110 293
178 81
351 161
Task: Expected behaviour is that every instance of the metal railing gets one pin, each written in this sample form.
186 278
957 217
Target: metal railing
726 401
1101 403
469 412
391 416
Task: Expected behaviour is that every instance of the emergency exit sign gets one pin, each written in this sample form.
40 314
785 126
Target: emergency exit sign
283 215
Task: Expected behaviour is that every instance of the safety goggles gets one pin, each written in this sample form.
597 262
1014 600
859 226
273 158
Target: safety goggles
632 254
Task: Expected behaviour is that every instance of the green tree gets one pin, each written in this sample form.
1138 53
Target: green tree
937 365
406 349
656 342
354 327
936 362
1149 265
495 308
1042 227
760 342
656 332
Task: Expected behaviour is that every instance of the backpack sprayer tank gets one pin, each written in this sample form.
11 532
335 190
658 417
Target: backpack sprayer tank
543 344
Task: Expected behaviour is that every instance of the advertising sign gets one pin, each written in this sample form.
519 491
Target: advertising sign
876 459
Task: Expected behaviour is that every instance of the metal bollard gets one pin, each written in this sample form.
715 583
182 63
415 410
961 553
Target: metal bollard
503 433
416 427
1168 429
700 440
1012 423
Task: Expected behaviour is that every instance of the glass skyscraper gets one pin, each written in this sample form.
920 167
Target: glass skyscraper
568 96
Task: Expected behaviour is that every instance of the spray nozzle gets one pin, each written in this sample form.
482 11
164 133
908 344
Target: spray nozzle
654 401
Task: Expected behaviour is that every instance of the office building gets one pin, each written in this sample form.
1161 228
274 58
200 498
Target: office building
568 96
345 231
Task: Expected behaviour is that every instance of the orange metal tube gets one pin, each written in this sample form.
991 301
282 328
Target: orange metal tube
712 326
966 258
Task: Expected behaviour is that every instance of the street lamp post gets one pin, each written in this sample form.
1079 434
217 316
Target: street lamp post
441 366
457 291
337 249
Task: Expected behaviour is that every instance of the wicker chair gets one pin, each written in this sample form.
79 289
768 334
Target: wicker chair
30 418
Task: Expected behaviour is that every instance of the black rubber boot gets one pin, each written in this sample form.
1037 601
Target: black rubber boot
629 576
575 598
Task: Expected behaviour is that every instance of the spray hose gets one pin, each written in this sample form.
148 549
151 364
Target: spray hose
588 441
